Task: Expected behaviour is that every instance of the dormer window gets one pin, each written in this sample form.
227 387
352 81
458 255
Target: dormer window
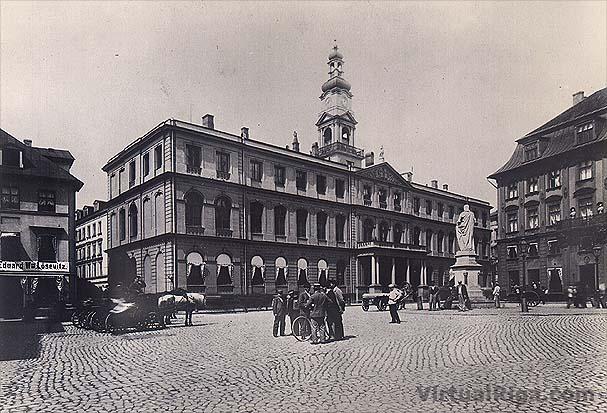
11 157
345 135
531 152
584 133
327 136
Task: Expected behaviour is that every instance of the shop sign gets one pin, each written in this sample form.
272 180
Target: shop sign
34 266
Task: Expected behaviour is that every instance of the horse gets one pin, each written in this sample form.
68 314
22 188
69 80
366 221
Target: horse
182 300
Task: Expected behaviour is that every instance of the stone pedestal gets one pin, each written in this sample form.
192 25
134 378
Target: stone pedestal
466 269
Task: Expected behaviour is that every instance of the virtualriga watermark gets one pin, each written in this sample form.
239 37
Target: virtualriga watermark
490 392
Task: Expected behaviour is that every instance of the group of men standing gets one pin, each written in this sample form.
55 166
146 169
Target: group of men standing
324 308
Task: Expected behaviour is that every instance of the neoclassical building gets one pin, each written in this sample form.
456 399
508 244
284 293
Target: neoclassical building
91 243
194 207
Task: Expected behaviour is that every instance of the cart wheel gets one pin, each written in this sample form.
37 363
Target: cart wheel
365 306
301 328
74 318
381 306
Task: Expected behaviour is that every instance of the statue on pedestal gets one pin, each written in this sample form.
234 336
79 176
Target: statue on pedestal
465 229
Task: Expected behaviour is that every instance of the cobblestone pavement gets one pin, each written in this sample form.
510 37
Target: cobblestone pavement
494 360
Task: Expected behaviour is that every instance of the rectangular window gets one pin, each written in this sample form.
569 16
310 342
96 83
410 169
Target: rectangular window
553 247
512 253
279 175
256 171
131 173
120 180
301 180
585 207
512 222
11 157
484 219
302 222
533 251
533 218
223 165
321 227
416 205
122 224
158 157
146 164
383 198
47 248
340 223
112 183
397 201
440 209
584 133
428 207
585 170
193 155
531 152
554 213
367 195
340 188
46 201
10 198
512 191
532 185
451 212
554 179
321 184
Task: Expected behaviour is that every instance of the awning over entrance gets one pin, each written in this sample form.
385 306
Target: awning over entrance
56 231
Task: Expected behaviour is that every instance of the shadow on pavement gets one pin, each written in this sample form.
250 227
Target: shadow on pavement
21 341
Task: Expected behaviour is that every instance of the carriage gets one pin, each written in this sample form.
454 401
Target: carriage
380 300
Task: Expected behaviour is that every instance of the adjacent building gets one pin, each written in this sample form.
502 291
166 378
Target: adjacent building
91 243
194 207
37 205
550 201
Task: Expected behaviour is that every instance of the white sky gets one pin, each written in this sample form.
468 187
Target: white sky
445 87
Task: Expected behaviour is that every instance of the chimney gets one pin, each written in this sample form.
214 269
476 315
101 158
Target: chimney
244 133
27 142
445 187
434 183
208 121
369 159
314 150
578 97
408 176
295 143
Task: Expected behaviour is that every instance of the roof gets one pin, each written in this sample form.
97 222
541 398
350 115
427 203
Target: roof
41 166
559 133
55 153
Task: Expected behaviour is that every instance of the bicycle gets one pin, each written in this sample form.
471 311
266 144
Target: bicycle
302 328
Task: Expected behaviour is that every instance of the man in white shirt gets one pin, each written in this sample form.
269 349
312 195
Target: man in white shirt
496 295
393 299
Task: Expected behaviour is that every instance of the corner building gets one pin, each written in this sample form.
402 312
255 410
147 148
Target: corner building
551 194
193 207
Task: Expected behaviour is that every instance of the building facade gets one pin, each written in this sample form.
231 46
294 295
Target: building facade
190 206
551 195
91 243
37 207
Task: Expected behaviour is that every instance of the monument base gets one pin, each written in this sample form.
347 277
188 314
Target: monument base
467 270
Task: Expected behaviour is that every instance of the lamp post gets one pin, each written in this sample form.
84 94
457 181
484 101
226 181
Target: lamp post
523 247
596 251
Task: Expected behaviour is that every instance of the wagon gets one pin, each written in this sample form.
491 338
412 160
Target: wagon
380 300
141 313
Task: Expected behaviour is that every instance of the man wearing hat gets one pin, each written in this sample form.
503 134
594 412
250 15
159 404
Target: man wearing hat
393 299
279 309
318 311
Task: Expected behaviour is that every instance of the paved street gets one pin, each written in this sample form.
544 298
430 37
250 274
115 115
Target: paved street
551 360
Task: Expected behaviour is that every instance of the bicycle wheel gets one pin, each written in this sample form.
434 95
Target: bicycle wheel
301 328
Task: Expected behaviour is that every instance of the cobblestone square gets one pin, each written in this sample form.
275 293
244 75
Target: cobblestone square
494 360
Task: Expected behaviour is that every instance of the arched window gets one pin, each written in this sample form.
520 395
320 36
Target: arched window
340 272
122 224
416 236
429 240
439 241
146 218
398 234
345 135
223 213
224 269
256 211
133 220
321 226
194 270
161 282
302 221
368 226
323 272
384 228
258 269
147 274
340 223
451 246
328 136
281 271
302 269
280 213
193 209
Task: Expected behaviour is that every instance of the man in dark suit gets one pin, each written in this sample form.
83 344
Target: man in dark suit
318 311
462 295
279 309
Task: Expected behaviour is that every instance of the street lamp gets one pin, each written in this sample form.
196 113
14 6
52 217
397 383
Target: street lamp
523 246
596 251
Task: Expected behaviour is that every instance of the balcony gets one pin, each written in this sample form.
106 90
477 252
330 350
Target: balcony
196 170
397 207
340 147
383 205
391 245
194 230
225 233
367 202
223 175
582 223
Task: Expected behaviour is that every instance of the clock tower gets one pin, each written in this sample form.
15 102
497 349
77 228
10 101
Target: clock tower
336 123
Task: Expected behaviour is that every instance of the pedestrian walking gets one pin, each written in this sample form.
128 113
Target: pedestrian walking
496 295
279 309
335 308
318 311
393 300
570 295
462 296
434 298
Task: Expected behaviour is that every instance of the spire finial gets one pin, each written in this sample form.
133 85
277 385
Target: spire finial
334 44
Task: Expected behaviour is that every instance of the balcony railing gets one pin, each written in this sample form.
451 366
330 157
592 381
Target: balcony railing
581 223
391 245
227 233
340 147
367 202
223 175
196 170
194 230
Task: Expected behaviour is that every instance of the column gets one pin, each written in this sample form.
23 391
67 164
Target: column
393 271
377 271
408 279
373 270
423 273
